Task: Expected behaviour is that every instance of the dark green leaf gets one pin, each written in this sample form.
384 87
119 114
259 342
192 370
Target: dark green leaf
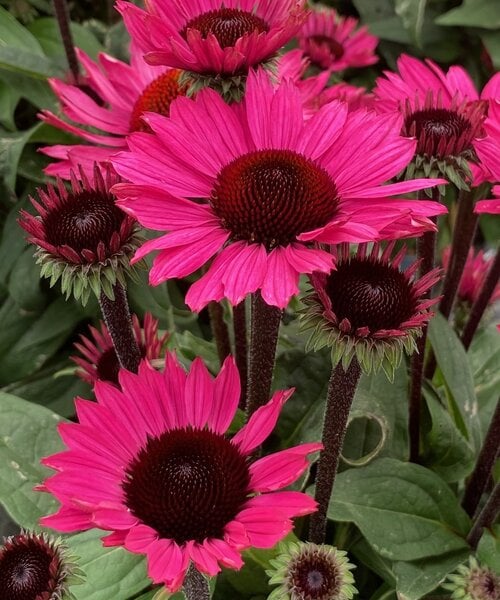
46 31
412 13
473 13
488 549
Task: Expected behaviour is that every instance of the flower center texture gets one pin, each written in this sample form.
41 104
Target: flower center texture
370 294
187 484
25 573
156 97
272 196
314 577
335 48
83 220
226 24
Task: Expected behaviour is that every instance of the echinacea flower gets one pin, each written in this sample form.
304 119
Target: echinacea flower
368 308
108 109
307 571
216 42
98 358
333 43
33 566
81 235
152 464
444 112
488 150
472 581
256 185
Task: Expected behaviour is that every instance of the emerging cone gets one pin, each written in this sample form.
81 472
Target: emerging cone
83 237
368 308
107 109
473 582
152 464
306 571
34 566
99 359
331 42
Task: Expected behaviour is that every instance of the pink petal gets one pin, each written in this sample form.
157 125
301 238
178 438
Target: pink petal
264 526
290 504
199 394
204 560
281 281
139 538
227 391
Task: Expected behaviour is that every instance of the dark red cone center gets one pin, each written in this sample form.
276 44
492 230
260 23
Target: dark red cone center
26 571
156 97
272 196
371 294
438 123
84 220
334 48
226 24
187 484
314 576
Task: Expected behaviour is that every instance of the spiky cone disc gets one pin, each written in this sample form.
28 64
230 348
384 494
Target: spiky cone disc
305 571
83 239
471 581
368 308
445 139
35 566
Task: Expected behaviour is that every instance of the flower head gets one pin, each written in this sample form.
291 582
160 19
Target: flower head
444 112
152 464
263 186
33 566
99 359
368 308
216 42
473 582
108 108
333 43
82 236
310 572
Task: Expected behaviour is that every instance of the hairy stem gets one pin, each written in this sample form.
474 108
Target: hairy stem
116 315
341 390
486 517
482 472
62 15
219 330
241 347
196 585
263 340
481 302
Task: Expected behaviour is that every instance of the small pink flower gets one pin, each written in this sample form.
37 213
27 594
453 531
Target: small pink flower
107 108
332 42
255 185
98 358
213 37
152 464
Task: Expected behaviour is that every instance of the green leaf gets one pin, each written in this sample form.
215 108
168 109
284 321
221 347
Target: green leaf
491 40
28 63
11 148
488 549
473 13
27 433
405 511
13 34
447 452
9 97
412 13
24 282
453 362
109 572
46 31
417 579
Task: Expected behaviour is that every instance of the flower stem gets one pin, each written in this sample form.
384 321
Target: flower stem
481 302
479 478
486 517
263 341
241 347
219 330
196 585
62 15
341 390
116 315
425 252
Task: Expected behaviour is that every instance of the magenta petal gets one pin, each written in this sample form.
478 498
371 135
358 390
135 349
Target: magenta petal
491 207
224 553
204 560
108 518
68 519
291 504
227 391
166 562
199 394
265 527
139 538
261 423
117 538
281 281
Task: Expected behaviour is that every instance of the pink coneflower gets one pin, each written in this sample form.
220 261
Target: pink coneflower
443 111
153 465
333 43
99 359
266 185
213 40
117 95
368 308
488 150
475 271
